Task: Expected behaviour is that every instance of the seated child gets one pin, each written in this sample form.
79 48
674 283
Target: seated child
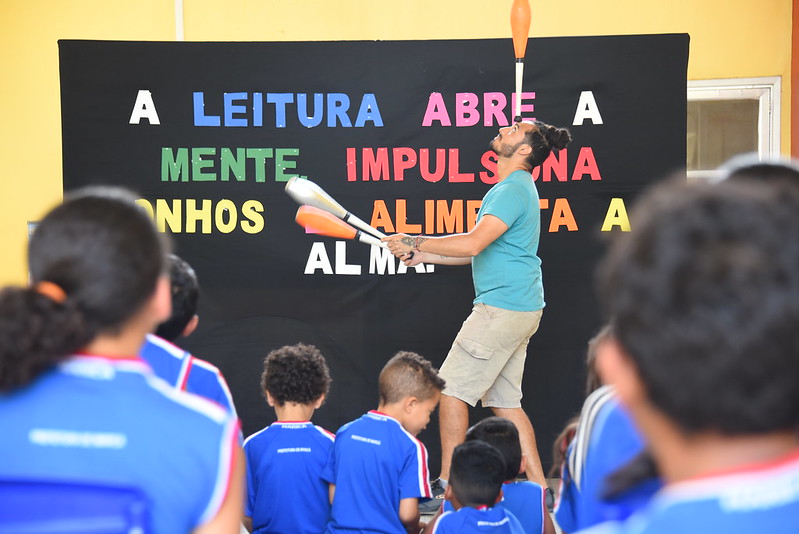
523 498
378 469
605 441
475 487
177 367
704 296
285 492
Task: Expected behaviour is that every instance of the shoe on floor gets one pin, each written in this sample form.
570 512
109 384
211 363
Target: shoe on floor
550 499
431 506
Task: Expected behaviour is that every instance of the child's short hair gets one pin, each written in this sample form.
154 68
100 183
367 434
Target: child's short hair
408 375
503 435
295 373
477 473
185 295
704 297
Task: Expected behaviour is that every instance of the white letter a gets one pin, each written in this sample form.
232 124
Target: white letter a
144 108
587 109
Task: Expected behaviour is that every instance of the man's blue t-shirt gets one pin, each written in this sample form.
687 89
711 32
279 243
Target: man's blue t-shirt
507 273
374 463
285 490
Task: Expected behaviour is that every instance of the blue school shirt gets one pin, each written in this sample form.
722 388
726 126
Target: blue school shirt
285 490
467 520
374 463
605 441
185 372
527 502
107 420
524 499
761 498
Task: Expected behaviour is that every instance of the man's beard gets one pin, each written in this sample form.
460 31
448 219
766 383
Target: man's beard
504 151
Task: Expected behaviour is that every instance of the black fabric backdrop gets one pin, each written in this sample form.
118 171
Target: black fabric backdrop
255 295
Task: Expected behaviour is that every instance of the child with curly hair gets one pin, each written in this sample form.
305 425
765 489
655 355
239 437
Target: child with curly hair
285 491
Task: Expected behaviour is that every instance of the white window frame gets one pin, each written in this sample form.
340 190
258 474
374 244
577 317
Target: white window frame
767 90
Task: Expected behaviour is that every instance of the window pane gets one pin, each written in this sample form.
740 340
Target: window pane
720 129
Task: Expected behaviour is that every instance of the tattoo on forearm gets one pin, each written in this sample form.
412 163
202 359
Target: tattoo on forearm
407 240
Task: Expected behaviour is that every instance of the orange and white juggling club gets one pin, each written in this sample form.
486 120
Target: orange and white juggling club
520 29
304 191
318 221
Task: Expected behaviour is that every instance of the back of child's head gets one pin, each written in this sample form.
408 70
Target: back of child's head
704 297
750 166
503 435
408 374
476 474
185 294
295 373
94 262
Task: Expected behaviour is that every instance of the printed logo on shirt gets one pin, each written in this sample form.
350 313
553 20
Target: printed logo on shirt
779 491
492 523
366 440
93 369
293 449
49 437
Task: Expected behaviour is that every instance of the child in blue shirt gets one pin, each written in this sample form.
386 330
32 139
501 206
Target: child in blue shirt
177 367
605 441
523 498
285 491
704 300
378 469
475 489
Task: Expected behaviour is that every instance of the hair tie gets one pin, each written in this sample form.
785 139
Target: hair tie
51 290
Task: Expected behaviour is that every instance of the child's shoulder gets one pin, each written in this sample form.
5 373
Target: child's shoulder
255 437
378 429
325 433
469 519
302 430
522 487
371 419
449 521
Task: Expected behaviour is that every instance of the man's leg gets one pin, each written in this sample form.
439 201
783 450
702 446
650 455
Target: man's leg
505 395
453 422
468 376
535 471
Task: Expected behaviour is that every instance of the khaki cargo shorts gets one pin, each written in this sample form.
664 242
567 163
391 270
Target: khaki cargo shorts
486 361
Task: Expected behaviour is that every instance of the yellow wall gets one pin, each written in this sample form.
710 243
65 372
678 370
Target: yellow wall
729 38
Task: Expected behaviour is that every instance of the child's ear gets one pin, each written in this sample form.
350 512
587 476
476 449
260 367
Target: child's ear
319 402
409 403
523 464
270 399
191 326
448 493
161 301
499 496
449 496
616 367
